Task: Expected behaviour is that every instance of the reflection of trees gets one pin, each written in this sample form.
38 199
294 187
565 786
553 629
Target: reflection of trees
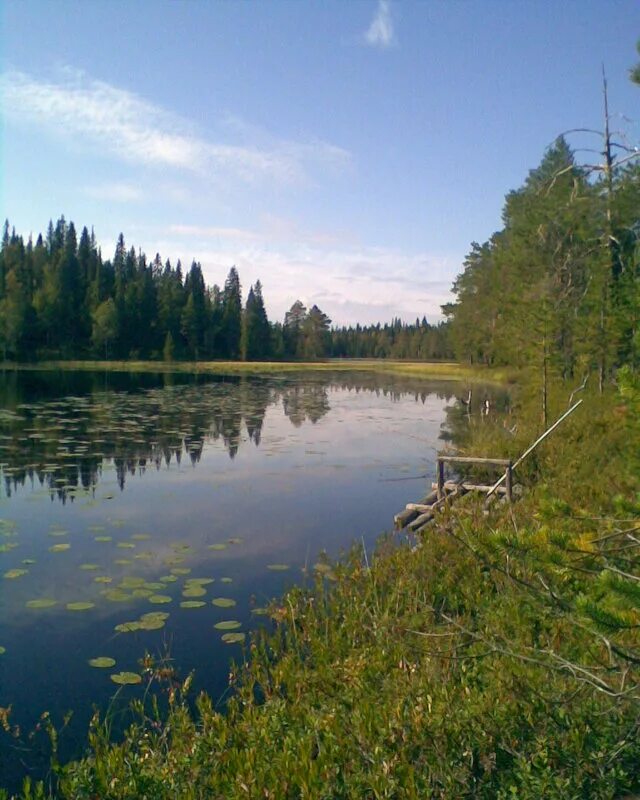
84 422
305 401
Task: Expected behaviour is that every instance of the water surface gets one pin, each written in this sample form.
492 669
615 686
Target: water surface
123 495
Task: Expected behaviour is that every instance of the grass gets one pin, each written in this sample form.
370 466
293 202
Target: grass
419 369
497 659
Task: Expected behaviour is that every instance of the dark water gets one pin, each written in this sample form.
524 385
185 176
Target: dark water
119 490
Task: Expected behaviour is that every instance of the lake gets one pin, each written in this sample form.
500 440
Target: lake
137 512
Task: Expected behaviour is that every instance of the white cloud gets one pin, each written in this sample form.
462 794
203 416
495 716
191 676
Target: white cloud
122 124
115 192
380 32
351 284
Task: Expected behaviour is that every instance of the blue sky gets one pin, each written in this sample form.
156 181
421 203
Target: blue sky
345 152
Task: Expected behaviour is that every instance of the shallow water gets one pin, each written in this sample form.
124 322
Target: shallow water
119 492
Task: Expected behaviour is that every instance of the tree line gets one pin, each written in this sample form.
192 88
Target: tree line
60 299
557 289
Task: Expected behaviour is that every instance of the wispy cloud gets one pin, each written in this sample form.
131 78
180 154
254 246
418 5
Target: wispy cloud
127 126
115 192
380 32
387 282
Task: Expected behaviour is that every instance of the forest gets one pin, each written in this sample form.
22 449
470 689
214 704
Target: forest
60 299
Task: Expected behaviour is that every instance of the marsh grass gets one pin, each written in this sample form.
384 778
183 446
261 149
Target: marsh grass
419 369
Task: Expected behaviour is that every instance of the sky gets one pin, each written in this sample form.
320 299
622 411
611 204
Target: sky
344 152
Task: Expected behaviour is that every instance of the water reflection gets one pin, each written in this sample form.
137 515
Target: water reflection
81 422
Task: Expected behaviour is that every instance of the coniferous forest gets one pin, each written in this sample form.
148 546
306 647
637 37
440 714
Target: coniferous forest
60 299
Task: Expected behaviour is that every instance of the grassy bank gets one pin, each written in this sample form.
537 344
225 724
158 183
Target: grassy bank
420 369
498 659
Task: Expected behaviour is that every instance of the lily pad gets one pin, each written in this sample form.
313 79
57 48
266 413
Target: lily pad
90 567
180 570
168 579
192 604
2 650
127 627
220 546
59 548
80 606
226 580
199 581
116 595
233 638
260 612
15 573
278 567
103 579
151 624
235 540
102 662
194 591
141 537
103 538
228 625
41 602
223 602
126 678
160 598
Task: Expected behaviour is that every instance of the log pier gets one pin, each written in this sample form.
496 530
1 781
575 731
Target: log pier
416 516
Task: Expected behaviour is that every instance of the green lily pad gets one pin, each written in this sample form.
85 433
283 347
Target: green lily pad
141 537
156 615
103 538
127 627
126 545
90 567
153 585
2 650
15 573
228 625
220 546
223 602
233 638
142 592
41 602
260 612
28 561
126 678
102 662
278 567
80 606
116 595
59 548
226 580
151 624
103 579
192 604
160 598
235 540
122 562
180 570
194 591
199 581
131 582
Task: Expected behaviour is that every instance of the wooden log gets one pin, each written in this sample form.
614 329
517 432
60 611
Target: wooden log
498 462
421 520
470 487
403 518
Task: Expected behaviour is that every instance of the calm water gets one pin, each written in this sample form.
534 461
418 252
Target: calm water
118 493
